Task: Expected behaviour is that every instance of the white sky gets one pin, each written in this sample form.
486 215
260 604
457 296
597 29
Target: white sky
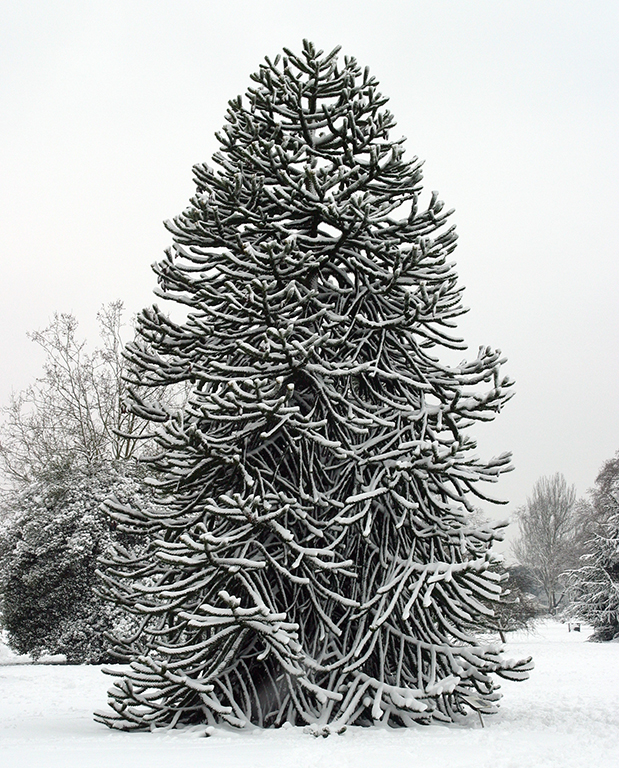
513 104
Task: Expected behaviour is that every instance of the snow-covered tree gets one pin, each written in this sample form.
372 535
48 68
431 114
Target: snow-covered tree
313 559
594 586
60 456
73 416
550 535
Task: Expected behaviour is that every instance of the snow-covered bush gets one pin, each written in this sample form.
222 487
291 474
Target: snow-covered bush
313 559
49 546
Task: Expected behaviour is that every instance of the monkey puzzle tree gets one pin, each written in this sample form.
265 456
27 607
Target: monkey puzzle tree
313 559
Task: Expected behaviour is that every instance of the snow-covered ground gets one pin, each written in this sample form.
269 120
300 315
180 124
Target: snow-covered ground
565 716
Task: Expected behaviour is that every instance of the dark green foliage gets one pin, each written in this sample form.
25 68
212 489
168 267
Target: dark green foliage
48 557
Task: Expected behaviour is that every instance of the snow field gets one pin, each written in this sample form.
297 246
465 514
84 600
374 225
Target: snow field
565 716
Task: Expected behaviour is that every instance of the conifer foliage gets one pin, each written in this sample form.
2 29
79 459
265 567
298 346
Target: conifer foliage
313 559
594 586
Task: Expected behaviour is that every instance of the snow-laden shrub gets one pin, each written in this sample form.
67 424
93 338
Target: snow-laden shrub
50 543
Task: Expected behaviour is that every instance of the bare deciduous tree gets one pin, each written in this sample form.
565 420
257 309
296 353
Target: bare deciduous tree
73 415
549 534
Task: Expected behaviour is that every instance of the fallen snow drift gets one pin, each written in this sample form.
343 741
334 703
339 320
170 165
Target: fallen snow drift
565 716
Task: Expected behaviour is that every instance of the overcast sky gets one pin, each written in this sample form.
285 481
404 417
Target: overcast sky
513 104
